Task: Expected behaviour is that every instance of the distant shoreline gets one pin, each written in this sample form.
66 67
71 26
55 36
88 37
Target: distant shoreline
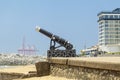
7 66
18 59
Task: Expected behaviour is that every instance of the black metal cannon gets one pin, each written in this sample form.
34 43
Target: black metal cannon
55 50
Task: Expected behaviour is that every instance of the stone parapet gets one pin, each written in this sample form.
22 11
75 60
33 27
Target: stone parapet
58 60
99 63
43 68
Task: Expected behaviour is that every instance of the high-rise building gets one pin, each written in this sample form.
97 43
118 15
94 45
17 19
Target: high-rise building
109 30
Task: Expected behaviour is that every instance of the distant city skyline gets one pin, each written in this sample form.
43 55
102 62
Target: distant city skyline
74 20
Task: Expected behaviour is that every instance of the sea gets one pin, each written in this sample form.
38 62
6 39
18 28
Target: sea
6 66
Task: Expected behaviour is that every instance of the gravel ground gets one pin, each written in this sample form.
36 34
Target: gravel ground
46 78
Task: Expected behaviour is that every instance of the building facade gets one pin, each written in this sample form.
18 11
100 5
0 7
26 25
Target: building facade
109 30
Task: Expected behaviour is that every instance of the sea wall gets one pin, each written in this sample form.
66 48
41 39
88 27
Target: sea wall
78 69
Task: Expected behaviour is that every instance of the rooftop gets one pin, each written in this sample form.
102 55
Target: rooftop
115 11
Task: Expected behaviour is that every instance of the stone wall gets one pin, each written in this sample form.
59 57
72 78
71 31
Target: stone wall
15 76
10 76
80 70
83 73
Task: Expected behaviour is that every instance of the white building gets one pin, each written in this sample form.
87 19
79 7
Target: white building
109 30
92 51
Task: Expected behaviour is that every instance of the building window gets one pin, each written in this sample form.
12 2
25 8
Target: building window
116 36
106 32
116 21
116 29
106 36
106 43
106 16
111 16
106 21
116 25
117 33
106 28
106 25
119 16
116 16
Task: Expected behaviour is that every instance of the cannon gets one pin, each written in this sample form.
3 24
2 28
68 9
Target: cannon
56 43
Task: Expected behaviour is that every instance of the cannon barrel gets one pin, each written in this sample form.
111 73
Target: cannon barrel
55 38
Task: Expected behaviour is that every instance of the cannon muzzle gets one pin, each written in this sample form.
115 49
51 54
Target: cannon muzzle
37 28
46 33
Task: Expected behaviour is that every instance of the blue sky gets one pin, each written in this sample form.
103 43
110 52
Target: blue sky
73 20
